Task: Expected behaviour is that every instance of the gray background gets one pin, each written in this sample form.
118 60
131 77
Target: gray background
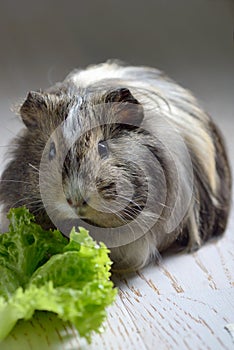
191 40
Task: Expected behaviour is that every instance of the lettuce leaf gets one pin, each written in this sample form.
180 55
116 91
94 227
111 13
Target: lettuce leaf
42 270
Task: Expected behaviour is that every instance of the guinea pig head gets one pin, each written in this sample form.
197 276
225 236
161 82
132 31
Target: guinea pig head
99 185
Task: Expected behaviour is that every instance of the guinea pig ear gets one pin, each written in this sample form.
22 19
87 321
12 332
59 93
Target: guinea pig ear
32 108
129 110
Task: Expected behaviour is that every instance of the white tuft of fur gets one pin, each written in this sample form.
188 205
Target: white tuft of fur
71 127
170 97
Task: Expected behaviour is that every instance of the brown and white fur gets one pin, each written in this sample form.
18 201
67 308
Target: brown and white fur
159 146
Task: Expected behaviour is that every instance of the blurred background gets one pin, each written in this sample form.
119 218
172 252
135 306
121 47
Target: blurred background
191 40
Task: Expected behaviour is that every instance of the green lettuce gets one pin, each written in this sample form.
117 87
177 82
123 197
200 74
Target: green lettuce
42 270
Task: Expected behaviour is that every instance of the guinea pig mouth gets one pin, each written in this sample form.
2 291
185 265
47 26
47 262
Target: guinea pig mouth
92 223
104 225
113 220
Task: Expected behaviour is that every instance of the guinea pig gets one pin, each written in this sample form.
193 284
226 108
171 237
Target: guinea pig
125 152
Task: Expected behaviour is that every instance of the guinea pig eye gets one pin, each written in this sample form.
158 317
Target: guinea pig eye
103 149
52 152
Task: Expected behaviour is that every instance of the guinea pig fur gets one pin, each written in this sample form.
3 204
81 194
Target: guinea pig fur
125 152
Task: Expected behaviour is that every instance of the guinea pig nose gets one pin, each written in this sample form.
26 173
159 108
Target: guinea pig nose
69 201
76 203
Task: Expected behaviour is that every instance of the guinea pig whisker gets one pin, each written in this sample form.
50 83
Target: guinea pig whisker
24 200
32 166
118 214
164 205
126 214
16 181
34 211
131 210
35 202
128 200
49 205
131 229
